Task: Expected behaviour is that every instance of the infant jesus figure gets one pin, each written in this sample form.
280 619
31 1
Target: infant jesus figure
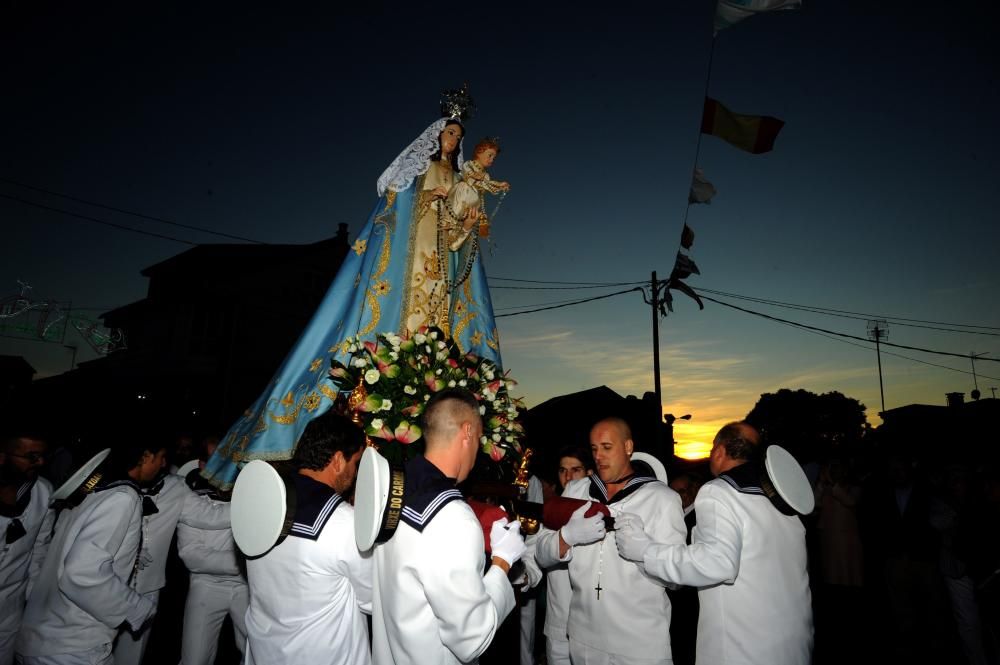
475 183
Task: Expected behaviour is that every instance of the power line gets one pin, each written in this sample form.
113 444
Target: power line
855 315
570 303
549 281
890 353
560 288
838 334
130 212
120 227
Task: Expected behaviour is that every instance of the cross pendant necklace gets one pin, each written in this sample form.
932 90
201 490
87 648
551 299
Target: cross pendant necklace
600 569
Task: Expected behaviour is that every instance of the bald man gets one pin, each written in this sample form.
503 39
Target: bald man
432 603
617 613
747 558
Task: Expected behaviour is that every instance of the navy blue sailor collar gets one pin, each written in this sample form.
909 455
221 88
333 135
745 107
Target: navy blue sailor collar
427 491
315 502
751 478
21 501
599 491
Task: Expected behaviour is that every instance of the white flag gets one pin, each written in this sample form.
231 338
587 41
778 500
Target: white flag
729 12
702 190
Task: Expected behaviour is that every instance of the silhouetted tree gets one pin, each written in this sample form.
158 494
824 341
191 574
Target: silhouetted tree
808 425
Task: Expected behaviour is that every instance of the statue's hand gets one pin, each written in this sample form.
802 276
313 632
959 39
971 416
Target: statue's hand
440 192
471 217
504 186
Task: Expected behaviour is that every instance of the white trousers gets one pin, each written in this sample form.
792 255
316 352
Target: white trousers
131 646
556 651
97 656
528 632
210 598
580 654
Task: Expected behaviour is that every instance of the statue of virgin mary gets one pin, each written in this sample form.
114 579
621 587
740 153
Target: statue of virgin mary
414 264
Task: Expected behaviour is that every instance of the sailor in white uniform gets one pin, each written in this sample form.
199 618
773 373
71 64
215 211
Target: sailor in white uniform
217 587
747 556
85 589
433 605
574 463
25 529
617 613
308 593
168 501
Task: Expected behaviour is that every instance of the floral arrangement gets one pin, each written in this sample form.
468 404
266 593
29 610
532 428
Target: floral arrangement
390 380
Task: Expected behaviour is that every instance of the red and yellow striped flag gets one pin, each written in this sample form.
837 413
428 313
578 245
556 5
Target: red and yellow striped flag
753 133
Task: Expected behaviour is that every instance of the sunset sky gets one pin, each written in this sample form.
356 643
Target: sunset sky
879 197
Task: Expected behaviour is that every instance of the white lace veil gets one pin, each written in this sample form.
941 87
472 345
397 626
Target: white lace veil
415 160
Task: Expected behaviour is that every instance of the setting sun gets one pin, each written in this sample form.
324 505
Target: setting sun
693 441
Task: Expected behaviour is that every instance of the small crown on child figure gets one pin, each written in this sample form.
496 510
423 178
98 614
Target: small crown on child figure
457 104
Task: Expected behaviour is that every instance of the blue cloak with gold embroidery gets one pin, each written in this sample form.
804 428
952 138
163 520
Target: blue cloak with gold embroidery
367 297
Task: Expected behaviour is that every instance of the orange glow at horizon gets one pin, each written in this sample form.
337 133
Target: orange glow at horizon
693 441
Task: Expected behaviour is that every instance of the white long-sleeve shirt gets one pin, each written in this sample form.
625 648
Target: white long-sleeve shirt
433 605
175 503
21 561
631 615
208 551
83 594
307 594
749 561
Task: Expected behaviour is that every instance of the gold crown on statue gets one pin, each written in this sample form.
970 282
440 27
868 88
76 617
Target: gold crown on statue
457 104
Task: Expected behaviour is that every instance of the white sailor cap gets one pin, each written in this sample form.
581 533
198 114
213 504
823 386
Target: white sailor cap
262 508
378 499
655 465
785 483
85 478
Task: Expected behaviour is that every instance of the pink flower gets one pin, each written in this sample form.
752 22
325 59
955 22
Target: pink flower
497 453
407 432
371 347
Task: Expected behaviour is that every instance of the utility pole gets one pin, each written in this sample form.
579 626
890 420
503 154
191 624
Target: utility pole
656 342
877 331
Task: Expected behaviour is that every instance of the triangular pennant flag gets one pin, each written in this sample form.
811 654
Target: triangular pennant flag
684 267
753 133
687 237
686 290
730 12
702 190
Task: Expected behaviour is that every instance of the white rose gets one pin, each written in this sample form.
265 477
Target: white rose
463 383
377 423
394 355
488 374
483 439
352 348
371 376
438 372
427 349
441 355
509 439
433 335
386 404
409 390
426 397
482 410
440 345
496 437
358 362
496 403
452 384
419 338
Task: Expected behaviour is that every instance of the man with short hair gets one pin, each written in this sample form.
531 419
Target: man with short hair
747 558
433 605
167 501
307 594
575 463
25 528
217 585
617 613
85 590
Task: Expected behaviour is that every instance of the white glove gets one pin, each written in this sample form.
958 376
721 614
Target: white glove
582 530
632 541
506 541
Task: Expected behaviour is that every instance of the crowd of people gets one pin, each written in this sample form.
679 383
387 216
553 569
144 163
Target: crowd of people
894 563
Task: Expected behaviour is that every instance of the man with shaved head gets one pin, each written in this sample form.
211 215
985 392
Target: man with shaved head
747 557
433 605
617 613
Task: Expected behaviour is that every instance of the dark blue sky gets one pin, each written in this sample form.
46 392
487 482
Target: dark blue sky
275 124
